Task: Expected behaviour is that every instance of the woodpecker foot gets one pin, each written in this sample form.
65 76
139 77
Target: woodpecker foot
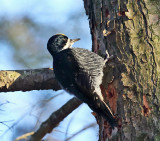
110 58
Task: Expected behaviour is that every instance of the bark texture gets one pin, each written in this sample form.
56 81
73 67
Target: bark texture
27 80
130 31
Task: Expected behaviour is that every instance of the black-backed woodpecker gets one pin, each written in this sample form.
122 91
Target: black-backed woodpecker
80 72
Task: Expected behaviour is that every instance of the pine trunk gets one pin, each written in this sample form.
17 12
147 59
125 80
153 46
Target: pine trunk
129 30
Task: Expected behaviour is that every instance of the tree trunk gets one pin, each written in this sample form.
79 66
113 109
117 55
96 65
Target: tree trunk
129 30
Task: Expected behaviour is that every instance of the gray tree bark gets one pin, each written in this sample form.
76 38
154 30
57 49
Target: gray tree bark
130 31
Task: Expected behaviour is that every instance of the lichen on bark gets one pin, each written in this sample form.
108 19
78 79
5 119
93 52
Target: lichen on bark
130 31
27 80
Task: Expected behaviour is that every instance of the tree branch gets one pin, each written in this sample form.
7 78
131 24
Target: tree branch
55 119
83 129
27 80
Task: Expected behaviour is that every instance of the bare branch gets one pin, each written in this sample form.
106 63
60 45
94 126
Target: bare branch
55 119
27 80
85 128
24 136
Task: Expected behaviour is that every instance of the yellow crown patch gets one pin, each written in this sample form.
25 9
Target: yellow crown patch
60 34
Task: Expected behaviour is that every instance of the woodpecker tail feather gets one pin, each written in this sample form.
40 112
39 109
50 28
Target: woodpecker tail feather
96 103
101 108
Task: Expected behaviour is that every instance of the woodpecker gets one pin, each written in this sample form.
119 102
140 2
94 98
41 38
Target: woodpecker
80 72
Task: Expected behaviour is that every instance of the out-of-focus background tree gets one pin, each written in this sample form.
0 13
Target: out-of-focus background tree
25 28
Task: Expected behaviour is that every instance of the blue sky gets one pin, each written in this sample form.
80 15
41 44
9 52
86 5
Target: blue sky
23 106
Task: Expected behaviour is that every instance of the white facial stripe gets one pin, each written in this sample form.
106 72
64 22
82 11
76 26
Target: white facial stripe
68 44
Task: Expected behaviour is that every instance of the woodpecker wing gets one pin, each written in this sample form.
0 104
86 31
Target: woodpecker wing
85 67
91 68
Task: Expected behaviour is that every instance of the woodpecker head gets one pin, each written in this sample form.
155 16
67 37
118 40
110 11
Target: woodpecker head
58 43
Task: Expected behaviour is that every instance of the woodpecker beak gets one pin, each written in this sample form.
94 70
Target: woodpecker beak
75 40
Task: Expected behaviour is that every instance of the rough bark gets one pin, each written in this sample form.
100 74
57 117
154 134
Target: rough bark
27 80
130 31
